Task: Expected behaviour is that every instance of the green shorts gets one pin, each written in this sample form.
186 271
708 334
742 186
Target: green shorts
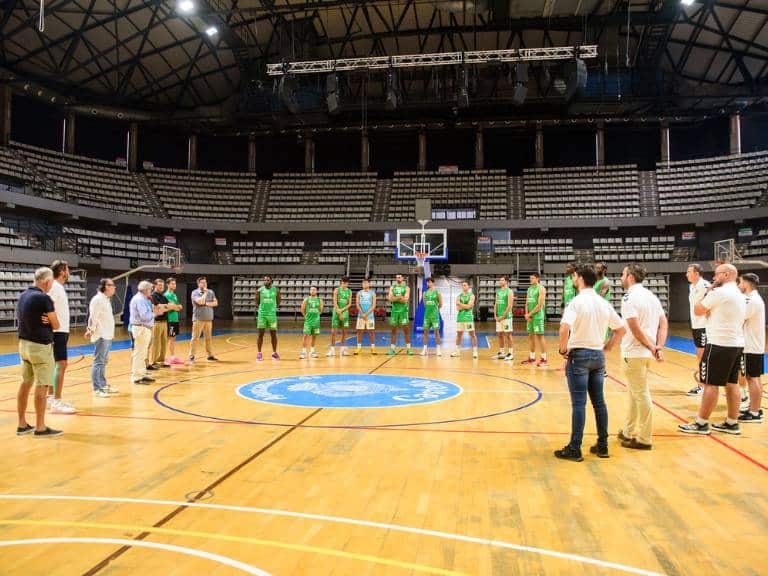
266 323
36 363
399 317
340 322
312 328
431 323
535 326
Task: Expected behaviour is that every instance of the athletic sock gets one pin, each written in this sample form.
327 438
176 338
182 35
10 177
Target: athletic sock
731 421
474 349
544 356
359 346
531 355
701 421
501 351
304 350
408 345
312 349
392 346
373 346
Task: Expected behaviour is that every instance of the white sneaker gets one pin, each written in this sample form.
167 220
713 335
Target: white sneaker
509 357
423 352
330 353
474 354
499 356
439 352
313 354
455 354
62 407
302 356
112 389
344 353
101 393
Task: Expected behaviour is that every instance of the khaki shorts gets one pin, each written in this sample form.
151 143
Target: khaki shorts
366 324
465 326
504 326
36 363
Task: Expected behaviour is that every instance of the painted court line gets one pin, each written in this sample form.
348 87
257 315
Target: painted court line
349 521
240 539
154 545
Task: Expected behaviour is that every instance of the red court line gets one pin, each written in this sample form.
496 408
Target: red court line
711 436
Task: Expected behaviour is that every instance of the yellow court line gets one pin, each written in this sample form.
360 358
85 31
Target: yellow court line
241 539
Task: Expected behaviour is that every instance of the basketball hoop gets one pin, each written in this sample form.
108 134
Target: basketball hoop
421 257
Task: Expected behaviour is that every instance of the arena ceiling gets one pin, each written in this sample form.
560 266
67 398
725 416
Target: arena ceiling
148 53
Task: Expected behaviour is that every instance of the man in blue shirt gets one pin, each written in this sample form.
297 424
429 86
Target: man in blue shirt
142 321
37 321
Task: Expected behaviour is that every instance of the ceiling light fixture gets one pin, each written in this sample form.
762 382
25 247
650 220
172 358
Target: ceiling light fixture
186 6
212 31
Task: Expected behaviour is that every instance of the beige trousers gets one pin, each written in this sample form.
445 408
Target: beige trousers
141 339
159 342
206 327
639 424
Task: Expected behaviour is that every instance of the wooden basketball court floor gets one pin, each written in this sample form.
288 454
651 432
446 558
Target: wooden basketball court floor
187 477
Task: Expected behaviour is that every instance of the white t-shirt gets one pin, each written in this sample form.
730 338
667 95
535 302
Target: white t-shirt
101 321
639 302
589 316
695 293
754 324
60 305
727 308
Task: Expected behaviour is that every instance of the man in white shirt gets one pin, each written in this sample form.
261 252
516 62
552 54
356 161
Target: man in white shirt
697 289
754 347
582 342
725 308
644 342
60 336
101 331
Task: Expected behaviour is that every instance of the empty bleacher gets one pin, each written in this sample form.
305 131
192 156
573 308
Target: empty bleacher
249 252
709 184
95 243
336 252
10 166
553 249
202 195
591 192
632 249
87 181
484 191
8 237
342 196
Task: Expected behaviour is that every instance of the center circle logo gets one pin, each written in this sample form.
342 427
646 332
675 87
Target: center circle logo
349 391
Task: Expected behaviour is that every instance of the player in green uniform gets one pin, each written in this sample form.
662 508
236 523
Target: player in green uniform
569 288
465 319
173 319
433 301
502 314
366 321
399 296
267 302
311 309
603 286
535 314
342 302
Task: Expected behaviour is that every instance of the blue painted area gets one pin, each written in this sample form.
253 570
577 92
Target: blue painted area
349 391
686 346
417 340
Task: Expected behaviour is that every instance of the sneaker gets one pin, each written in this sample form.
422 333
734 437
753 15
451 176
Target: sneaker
499 356
302 355
423 352
344 353
391 352
140 381
62 407
166 365
373 352
439 352
23 431
542 363
48 433
330 353
509 357
259 357
695 391
101 393
749 418
694 428
176 362
568 453
622 437
474 354
409 351
599 450
356 351
455 354
635 445
153 367
529 361
313 354
275 356
147 380
191 360
727 428
212 359
112 389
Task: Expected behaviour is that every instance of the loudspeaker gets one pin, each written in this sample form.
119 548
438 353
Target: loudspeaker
286 90
334 103
423 209
575 77
520 91
333 93
392 99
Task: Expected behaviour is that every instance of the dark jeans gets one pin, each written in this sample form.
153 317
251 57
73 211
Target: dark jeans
586 372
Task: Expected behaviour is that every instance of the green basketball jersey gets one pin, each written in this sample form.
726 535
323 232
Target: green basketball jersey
599 284
532 300
502 301
312 310
569 290
268 301
431 302
343 296
465 315
398 291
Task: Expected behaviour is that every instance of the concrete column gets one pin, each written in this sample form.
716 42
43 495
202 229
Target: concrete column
70 124
735 133
665 143
133 146
539 147
251 154
365 152
422 166
309 154
5 114
192 152
600 145
479 149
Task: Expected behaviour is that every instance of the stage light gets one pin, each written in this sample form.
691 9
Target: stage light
686 2
186 6
211 31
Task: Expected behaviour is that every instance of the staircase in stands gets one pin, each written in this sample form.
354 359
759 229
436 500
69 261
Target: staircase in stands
40 179
381 200
515 198
258 212
649 193
142 183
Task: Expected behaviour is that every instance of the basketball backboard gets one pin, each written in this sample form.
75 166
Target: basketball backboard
432 243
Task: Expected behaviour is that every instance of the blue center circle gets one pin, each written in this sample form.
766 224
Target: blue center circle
349 391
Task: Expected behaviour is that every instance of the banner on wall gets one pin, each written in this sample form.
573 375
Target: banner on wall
484 244
689 236
220 241
745 232
168 239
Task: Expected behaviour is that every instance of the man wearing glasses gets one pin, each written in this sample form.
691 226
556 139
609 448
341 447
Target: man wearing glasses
101 330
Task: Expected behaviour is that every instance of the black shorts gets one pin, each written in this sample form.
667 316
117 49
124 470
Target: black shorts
699 337
173 329
720 365
752 365
60 340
